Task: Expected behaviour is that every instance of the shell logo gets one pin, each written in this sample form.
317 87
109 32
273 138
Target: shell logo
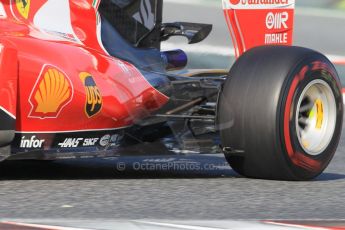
52 92
23 7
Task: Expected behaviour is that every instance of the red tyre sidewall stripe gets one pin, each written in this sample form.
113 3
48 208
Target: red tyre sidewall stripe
297 158
287 136
287 111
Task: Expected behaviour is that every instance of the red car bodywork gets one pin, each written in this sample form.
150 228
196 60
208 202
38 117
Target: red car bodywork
55 82
62 92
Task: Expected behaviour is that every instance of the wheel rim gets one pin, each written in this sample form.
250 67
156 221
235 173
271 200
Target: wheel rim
316 117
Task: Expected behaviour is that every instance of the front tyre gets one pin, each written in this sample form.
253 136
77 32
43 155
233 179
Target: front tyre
280 113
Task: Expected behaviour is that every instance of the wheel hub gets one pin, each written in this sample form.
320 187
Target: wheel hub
316 117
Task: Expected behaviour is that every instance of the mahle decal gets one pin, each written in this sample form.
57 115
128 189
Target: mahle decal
51 93
23 7
94 101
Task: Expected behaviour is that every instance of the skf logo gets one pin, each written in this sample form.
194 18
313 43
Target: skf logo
94 100
52 92
23 7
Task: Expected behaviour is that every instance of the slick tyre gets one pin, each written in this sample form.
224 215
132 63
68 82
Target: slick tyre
280 113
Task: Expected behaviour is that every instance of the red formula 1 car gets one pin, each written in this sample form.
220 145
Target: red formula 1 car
83 78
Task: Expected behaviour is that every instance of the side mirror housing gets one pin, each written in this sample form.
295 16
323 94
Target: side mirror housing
194 32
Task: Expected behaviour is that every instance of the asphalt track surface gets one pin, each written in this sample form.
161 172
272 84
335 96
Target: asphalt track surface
116 189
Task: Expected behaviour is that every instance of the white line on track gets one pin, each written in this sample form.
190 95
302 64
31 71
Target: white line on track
299 226
179 226
41 226
316 12
223 50
166 224
230 225
200 48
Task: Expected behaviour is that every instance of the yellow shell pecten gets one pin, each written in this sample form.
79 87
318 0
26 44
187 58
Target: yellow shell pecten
53 91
